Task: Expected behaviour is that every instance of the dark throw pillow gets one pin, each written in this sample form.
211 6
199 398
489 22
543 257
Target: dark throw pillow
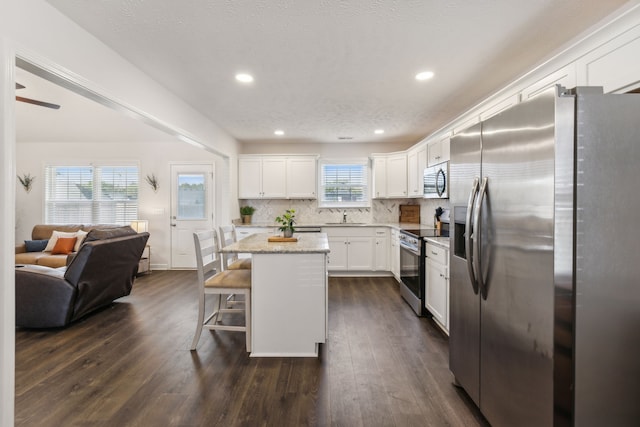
35 245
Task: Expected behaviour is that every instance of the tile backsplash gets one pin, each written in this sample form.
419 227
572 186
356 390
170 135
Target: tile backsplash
307 211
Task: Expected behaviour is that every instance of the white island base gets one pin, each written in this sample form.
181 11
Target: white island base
289 304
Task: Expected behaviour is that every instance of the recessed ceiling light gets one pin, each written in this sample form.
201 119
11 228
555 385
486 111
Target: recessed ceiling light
424 75
279 132
378 131
244 78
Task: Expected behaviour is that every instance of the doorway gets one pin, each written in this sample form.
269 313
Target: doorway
192 207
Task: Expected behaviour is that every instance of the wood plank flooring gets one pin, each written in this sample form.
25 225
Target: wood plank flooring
130 365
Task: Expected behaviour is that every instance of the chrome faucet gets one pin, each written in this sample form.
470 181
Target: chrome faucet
344 217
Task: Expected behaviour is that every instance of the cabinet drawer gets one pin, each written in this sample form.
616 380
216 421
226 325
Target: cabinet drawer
437 253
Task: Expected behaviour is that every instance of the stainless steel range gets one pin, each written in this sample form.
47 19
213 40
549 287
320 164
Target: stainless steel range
412 262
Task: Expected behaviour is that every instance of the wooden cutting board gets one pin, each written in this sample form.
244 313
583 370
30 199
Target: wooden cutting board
282 239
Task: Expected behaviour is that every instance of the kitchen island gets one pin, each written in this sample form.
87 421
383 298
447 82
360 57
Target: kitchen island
288 294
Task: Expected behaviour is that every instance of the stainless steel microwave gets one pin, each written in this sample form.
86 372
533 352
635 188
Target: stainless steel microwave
436 181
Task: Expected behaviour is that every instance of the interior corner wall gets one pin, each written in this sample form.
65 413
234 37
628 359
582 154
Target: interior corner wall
153 158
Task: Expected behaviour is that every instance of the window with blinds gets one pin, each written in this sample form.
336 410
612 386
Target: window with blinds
344 184
91 194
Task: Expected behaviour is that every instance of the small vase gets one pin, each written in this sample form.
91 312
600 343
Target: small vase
246 219
287 232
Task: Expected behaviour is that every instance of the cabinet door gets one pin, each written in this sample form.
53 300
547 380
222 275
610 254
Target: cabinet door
395 254
436 292
412 173
360 253
382 254
274 178
379 177
301 178
397 175
250 178
338 255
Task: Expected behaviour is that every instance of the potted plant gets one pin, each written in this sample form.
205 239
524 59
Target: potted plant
246 212
287 220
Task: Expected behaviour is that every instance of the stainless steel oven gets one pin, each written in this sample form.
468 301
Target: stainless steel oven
412 262
411 268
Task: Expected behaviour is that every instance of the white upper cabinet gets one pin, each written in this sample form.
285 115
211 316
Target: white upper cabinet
499 107
250 178
274 178
277 177
397 175
416 162
438 151
379 177
565 76
301 177
614 65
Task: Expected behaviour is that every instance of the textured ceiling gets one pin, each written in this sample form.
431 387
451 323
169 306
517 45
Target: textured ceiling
327 69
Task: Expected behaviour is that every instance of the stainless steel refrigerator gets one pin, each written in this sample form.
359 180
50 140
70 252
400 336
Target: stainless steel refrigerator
545 261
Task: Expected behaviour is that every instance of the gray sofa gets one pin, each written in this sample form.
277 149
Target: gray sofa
102 271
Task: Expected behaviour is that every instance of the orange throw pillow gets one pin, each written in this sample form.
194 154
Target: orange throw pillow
64 245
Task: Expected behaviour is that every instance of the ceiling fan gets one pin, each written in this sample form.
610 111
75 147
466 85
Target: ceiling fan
34 101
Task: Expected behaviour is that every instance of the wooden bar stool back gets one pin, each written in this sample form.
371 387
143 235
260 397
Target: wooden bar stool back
212 280
231 261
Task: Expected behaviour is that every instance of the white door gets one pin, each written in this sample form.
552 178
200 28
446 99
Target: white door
191 209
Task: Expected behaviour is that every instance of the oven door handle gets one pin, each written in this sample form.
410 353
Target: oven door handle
410 249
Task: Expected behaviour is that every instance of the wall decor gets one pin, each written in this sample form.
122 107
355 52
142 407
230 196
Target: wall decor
153 182
27 181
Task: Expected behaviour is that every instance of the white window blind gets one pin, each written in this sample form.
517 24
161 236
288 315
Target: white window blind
91 194
344 184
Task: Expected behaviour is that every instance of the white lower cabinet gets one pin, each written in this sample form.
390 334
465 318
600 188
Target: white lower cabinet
242 232
381 249
352 248
394 253
437 284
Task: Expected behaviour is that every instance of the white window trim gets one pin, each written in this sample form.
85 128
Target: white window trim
93 164
353 161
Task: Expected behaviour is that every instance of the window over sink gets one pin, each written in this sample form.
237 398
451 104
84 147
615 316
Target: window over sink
343 183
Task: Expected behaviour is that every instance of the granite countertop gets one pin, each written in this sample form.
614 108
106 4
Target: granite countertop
258 244
442 241
395 225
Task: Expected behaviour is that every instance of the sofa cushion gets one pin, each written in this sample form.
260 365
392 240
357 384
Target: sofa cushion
64 245
53 261
81 235
55 235
108 233
44 231
35 245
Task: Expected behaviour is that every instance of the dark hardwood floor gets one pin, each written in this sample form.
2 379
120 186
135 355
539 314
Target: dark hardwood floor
130 365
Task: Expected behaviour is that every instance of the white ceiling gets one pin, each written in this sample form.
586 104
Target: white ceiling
329 68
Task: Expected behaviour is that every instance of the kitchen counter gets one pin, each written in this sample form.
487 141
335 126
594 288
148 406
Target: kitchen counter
442 241
258 244
289 294
395 225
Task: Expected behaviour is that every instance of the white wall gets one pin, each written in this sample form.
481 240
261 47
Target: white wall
153 158
40 34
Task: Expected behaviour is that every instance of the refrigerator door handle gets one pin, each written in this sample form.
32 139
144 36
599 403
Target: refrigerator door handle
477 241
468 230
